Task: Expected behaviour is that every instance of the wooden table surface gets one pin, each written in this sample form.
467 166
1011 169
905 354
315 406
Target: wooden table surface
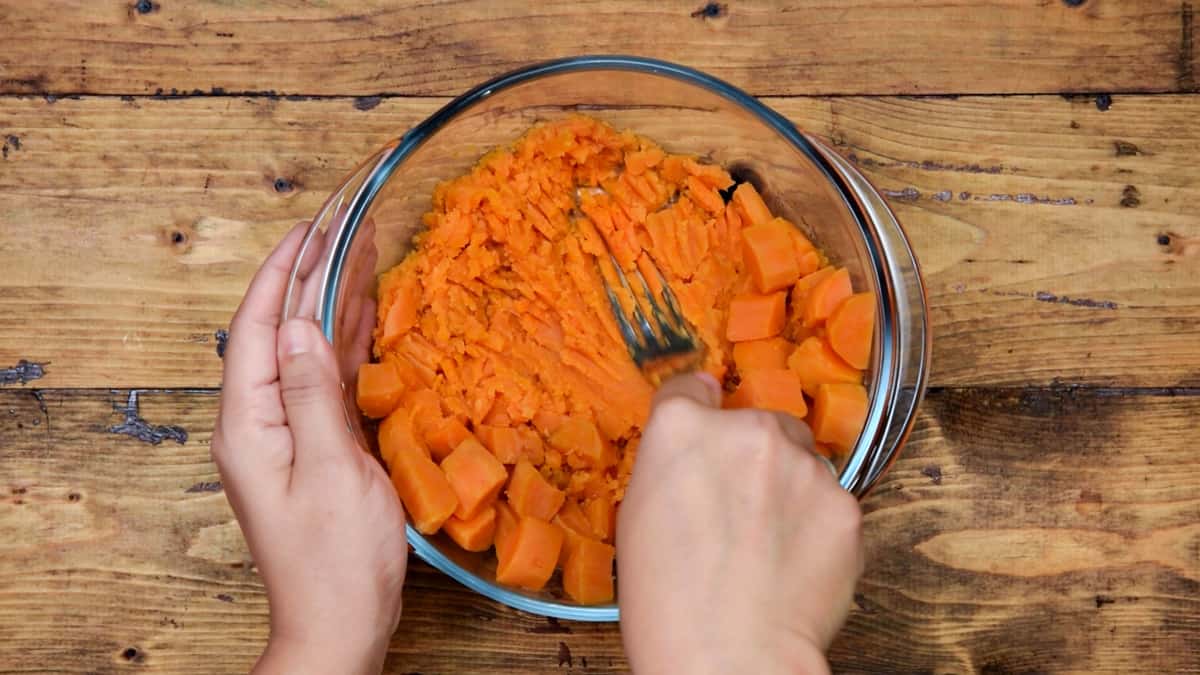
1044 156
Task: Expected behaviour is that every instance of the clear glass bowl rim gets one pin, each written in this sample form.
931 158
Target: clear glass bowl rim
863 466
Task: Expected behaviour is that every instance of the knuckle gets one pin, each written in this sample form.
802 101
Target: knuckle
677 408
302 390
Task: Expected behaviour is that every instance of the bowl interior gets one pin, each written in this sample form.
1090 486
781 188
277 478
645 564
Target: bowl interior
368 226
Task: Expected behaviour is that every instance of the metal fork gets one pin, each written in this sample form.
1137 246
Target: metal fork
649 318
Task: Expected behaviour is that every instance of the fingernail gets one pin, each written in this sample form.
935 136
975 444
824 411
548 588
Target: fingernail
296 337
713 386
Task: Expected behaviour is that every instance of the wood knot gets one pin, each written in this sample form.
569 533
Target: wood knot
1103 102
711 10
283 185
1131 198
178 238
133 654
1074 3
145 6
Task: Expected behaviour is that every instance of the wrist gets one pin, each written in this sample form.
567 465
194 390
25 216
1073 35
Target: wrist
794 656
298 656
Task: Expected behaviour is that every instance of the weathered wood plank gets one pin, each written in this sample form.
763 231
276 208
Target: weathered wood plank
444 47
1060 242
1023 530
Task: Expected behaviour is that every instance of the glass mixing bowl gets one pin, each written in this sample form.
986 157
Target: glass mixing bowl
367 226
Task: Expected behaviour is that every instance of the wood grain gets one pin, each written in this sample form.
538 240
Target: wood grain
1060 242
1023 530
446 46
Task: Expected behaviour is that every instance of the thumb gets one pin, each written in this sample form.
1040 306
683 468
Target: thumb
699 387
311 392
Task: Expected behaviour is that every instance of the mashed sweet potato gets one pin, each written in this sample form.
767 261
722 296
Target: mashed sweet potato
511 408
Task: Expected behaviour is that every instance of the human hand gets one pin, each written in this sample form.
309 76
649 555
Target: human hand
737 551
320 516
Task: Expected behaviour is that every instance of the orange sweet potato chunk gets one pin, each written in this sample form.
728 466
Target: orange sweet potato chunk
532 554
423 488
602 516
850 328
445 436
825 296
379 389
506 527
751 207
506 443
475 534
772 257
816 364
756 317
580 441
778 390
768 354
839 411
476 476
575 525
588 572
530 494
397 433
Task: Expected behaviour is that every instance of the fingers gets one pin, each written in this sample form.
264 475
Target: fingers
312 395
700 387
250 356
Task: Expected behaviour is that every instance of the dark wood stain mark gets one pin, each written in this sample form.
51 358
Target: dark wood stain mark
1043 296
564 656
32 85
136 427
934 473
222 337
23 372
224 35
206 486
1074 124
224 597
1102 600
712 10
1131 198
552 627
41 404
12 142
1127 149
1028 198
133 654
908 194
929 165
365 103
1185 78
1103 102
